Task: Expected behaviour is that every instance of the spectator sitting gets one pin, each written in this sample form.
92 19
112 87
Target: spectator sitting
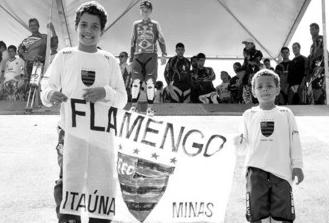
178 77
223 92
282 69
267 64
158 97
202 80
126 72
297 73
14 75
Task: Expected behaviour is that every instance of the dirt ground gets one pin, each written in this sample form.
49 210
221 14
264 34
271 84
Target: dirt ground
28 169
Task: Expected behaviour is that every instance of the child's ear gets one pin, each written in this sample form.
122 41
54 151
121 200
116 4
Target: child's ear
102 32
278 89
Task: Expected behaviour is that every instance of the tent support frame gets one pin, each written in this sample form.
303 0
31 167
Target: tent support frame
246 29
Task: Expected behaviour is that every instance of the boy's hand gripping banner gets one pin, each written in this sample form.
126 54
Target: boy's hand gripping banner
128 167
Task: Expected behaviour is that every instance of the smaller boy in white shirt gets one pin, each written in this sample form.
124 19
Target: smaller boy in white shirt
13 74
274 156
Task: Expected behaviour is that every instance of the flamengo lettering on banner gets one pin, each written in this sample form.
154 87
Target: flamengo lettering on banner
143 130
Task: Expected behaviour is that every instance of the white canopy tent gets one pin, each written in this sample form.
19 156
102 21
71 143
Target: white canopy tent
215 27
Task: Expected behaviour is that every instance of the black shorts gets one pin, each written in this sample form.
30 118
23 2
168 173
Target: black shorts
268 196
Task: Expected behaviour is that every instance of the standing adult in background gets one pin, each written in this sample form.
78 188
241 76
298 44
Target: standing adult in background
178 78
316 64
251 64
33 48
282 69
144 58
296 74
126 72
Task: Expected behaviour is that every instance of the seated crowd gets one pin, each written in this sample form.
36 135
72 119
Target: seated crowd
16 63
187 80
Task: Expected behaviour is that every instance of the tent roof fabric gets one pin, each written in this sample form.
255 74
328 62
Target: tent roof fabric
215 27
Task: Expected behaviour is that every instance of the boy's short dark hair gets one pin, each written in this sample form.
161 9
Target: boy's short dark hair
315 25
296 43
266 60
158 85
180 45
34 20
3 44
93 8
237 64
12 47
266 72
284 48
225 72
124 53
201 56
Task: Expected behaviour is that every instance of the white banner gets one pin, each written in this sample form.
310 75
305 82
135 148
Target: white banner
128 167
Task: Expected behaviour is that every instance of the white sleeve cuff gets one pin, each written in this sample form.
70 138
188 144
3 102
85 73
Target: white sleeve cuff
109 93
45 98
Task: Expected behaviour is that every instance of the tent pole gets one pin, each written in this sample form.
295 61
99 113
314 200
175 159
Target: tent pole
15 18
130 6
325 50
246 29
62 17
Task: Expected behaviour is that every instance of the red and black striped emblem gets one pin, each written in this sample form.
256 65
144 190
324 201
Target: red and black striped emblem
88 77
267 128
143 184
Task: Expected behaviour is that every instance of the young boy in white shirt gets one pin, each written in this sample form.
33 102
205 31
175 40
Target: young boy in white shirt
274 156
83 72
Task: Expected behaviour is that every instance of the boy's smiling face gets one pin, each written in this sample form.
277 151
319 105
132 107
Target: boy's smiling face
265 89
11 53
145 12
89 30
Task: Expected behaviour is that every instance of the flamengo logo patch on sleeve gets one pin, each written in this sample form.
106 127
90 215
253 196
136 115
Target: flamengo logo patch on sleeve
88 77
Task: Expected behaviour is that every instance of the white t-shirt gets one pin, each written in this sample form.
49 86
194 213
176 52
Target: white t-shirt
14 68
73 70
273 142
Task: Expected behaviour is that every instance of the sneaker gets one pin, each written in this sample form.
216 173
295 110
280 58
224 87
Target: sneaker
150 112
